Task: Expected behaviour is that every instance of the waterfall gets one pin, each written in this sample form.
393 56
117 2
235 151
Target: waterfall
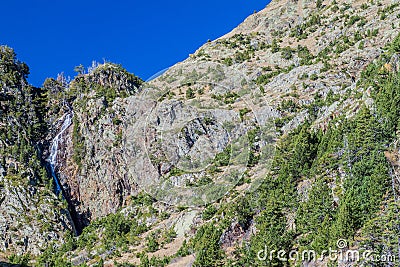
52 159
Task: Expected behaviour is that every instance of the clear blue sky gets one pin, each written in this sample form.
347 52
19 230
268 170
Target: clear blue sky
54 36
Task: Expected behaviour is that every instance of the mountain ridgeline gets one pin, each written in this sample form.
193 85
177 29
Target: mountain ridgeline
281 135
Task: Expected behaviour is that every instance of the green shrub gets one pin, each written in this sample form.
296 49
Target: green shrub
209 212
21 260
287 53
152 243
189 93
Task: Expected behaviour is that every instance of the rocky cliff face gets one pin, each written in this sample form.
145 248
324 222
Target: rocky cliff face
92 168
110 148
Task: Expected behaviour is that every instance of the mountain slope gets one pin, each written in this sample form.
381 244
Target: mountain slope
280 135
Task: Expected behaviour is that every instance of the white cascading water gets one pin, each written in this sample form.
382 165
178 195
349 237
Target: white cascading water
52 159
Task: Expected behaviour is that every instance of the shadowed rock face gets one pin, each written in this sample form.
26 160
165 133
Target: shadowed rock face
4 264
